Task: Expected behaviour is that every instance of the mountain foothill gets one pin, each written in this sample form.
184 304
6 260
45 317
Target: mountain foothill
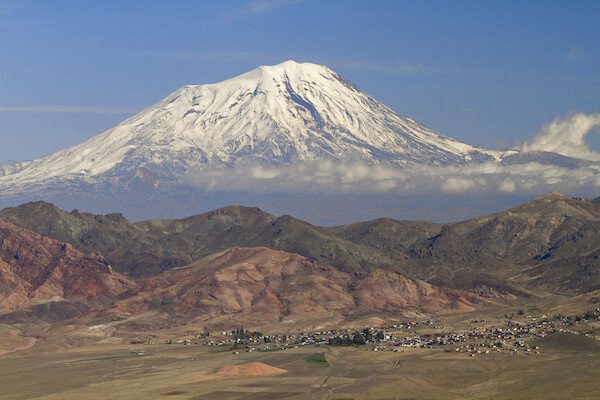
242 265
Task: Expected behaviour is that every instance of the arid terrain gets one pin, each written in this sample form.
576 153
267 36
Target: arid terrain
240 304
199 371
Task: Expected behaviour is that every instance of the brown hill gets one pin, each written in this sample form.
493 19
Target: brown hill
386 234
563 342
261 285
533 246
43 278
240 265
250 369
199 236
150 247
537 244
87 232
35 269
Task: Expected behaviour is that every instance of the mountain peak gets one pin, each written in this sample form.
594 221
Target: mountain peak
289 69
293 66
273 115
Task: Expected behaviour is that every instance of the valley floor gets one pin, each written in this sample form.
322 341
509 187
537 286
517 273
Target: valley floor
562 370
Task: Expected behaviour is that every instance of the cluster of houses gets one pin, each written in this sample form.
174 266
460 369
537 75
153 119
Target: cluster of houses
514 336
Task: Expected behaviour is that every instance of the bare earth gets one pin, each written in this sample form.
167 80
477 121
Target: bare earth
567 367
250 369
11 341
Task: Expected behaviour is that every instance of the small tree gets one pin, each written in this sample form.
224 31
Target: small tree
239 333
358 339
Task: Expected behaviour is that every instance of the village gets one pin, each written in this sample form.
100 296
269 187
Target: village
515 336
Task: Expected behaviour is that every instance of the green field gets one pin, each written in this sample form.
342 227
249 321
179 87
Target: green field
317 360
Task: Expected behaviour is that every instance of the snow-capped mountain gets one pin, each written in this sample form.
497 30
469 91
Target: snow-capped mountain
273 115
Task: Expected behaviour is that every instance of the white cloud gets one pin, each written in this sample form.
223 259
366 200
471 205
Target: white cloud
251 9
328 176
69 109
507 186
573 56
264 6
457 184
567 136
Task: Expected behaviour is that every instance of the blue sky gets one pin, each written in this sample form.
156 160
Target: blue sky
488 73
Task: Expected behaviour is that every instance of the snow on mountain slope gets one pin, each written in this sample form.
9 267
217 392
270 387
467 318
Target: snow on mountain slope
273 115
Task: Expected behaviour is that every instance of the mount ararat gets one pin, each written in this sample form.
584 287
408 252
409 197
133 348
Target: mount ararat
272 117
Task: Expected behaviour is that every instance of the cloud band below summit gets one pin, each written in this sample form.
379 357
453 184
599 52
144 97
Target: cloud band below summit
359 177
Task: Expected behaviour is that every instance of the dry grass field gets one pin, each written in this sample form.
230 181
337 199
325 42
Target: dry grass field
569 368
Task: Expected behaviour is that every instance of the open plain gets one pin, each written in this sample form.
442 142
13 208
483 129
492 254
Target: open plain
155 370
